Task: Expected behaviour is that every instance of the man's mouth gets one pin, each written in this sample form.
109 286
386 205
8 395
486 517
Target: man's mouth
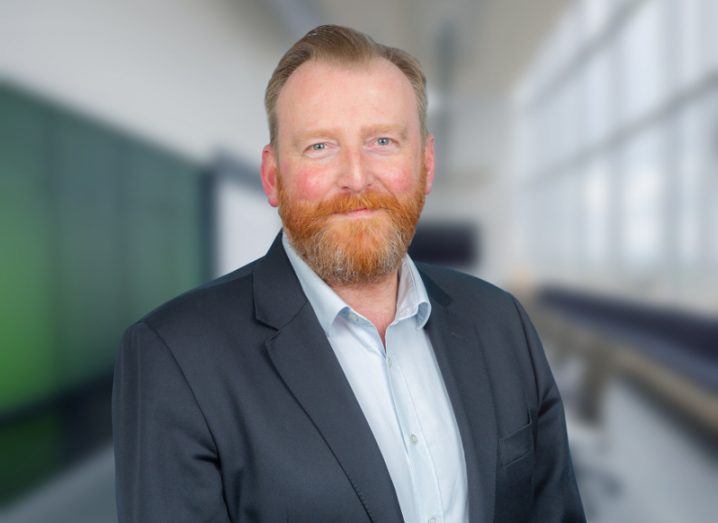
358 212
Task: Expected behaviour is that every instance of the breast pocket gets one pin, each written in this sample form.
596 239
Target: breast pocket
514 478
518 445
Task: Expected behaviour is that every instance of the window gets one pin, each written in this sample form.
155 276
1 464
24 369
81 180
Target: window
642 204
596 207
641 62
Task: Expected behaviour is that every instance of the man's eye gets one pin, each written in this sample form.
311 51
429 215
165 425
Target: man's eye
383 140
318 146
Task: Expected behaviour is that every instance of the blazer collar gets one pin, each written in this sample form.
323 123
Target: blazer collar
278 296
460 353
302 356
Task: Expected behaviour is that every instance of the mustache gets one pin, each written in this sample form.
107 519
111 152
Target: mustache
343 203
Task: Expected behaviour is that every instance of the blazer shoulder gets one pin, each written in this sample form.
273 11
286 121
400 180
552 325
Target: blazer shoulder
467 290
210 299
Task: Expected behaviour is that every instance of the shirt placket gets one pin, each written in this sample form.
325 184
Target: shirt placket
424 480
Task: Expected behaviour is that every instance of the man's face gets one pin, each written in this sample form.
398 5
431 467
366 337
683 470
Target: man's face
350 170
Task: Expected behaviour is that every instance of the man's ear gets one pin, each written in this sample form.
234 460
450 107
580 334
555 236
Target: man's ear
269 175
429 162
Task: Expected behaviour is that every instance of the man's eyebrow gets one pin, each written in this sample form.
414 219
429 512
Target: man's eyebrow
401 130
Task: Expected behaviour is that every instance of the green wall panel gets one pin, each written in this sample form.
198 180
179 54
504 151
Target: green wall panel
185 227
86 164
27 370
162 227
97 229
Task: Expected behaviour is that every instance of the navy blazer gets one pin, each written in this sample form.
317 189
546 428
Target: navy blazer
230 405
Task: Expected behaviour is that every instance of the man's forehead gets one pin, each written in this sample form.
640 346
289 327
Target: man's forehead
337 66
321 75
321 83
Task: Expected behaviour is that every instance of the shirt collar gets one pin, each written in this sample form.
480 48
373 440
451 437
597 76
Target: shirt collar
412 299
325 302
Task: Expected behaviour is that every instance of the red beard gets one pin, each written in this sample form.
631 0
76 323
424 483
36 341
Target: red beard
346 250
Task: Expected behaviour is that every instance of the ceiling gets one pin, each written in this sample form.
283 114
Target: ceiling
490 41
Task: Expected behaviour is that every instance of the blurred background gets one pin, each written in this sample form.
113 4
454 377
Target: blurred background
577 145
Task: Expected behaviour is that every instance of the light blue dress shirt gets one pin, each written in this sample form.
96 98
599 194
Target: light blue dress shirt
401 392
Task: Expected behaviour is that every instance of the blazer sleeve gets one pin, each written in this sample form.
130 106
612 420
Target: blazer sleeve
556 497
166 465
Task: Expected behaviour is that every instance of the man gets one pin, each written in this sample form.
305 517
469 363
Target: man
334 379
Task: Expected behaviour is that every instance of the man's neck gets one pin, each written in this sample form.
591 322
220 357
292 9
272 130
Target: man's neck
375 301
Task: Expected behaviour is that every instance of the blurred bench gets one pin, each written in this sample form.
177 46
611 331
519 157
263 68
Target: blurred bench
673 352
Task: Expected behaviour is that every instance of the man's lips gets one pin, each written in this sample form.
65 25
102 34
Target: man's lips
363 211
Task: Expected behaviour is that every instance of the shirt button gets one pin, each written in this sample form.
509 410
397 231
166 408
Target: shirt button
432 520
388 361
414 439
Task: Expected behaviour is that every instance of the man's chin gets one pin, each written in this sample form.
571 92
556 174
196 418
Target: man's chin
353 251
366 231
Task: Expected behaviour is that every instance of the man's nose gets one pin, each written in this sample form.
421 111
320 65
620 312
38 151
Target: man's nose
355 175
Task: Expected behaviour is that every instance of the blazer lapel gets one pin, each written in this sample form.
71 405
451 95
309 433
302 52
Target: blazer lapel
306 362
460 355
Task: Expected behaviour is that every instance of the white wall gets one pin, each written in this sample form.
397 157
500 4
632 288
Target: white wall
187 74
247 225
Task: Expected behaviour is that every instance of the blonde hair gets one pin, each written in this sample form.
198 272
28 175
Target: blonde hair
345 46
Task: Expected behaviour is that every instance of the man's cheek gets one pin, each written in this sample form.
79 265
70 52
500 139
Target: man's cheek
313 183
401 181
